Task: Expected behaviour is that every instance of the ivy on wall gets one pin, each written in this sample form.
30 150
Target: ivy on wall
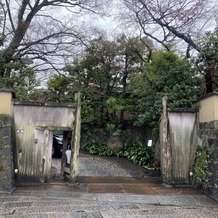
202 172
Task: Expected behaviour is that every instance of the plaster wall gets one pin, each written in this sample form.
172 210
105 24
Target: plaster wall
208 108
5 102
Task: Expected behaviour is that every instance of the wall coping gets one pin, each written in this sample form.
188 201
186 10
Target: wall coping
8 90
43 104
206 96
184 110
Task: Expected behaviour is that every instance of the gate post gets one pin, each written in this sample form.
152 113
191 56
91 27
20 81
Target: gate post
74 171
166 155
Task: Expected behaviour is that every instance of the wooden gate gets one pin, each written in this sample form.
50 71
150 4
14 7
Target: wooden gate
178 136
33 126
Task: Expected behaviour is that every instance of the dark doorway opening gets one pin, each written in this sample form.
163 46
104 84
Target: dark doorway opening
57 145
61 143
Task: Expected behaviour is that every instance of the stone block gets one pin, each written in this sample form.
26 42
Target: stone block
208 133
216 124
211 141
6 160
214 154
5 120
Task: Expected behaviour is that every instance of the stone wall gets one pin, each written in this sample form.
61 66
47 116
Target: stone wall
208 135
6 156
130 135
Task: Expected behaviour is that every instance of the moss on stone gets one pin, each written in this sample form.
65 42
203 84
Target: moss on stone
4 120
202 172
1 167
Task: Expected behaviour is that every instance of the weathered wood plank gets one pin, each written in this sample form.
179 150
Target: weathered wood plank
74 168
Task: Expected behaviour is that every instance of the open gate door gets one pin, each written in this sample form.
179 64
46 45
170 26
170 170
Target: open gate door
43 150
34 159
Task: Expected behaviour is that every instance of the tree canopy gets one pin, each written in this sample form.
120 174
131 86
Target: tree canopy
104 72
207 61
129 72
121 75
166 74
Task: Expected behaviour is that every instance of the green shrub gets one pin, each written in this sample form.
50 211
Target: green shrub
98 148
138 153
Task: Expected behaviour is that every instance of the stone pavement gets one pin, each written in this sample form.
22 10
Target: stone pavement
107 188
55 203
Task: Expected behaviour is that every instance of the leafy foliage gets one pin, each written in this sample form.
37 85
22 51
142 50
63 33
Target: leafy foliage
22 80
40 95
166 74
102 75
59 88
207 61
138 153
98 148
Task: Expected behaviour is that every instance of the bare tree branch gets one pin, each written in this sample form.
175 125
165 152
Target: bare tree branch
58 37
148 34
9 14
165 20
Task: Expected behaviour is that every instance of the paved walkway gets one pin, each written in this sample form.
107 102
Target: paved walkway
107 188
51 203
146 185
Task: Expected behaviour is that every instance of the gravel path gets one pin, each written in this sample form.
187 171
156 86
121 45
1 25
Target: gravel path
98 166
